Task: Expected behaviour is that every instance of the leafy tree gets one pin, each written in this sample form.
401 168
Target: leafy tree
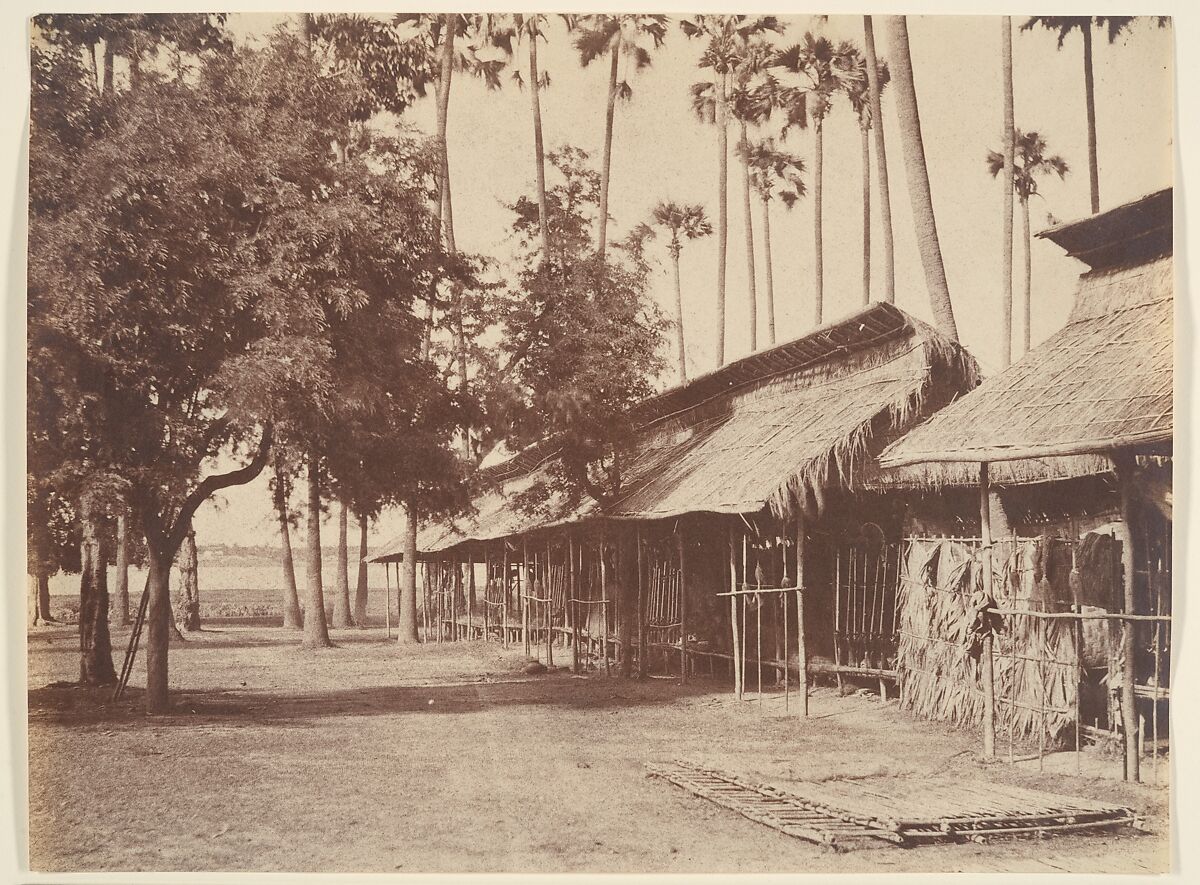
616 36
681 222
1033 161
576 369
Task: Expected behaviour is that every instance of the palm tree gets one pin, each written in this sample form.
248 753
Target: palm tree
724 36
1031 162
1007 139
530 27
683 222
874 66
1064 25
918 178
773 172
824 70
616 36
860 93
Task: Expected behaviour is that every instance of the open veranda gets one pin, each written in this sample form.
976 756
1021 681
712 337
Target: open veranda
450 757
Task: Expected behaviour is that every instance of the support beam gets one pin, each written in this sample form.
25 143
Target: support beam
801 643
987 674
733 617
1123 464
641 601
683 592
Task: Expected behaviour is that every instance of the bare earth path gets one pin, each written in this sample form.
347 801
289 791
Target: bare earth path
374 757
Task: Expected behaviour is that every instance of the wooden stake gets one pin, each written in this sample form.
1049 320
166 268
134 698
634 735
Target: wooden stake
733 619
801 643
1123 464
986 666
683 582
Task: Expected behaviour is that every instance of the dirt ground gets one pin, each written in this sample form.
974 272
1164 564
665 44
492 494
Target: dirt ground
373 757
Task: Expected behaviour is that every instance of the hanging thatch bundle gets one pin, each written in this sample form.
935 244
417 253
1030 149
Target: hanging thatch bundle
1034 659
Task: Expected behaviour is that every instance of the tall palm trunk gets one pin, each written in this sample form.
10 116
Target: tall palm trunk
606 169
766 213
722 215
1026 303
341 599
1089 87
539 151
818 231
918 179
316 629
360 587
1009 146
121 600
407 620
866 213
885 198
681 350
751 290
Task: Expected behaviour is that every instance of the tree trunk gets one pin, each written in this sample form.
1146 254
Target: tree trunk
341 599
292 618
121 602
108 67
722 215
1027 302
866 216
606 169
1089 88
41 597
1008 139
539 150
187 606
766 207
918 179
316 629
818 222
885 198
95 647
360 587
407 620
682 350
97 78
158 629
751 289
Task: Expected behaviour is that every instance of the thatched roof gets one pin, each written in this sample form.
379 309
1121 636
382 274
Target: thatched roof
775 429
1105 381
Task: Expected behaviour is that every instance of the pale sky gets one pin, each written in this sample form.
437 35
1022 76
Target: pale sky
662 152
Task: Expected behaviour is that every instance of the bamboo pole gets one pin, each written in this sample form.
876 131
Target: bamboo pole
733 619
758 646
1077 607
683 636
641 624
574 606
522 580
1042 694
470 596
604 605
986 664
837 611
801 643
1123 465
786 668
387 609
548 594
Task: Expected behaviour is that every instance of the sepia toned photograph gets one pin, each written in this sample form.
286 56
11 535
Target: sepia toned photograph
598 443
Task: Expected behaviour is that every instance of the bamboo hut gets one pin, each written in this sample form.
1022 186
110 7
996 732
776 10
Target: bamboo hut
741 487
1100 388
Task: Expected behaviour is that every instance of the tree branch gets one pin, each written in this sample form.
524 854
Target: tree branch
214 483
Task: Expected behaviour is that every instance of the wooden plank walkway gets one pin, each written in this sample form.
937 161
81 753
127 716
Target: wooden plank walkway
878 811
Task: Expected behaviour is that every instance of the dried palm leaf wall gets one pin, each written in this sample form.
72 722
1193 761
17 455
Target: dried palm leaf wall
1036 661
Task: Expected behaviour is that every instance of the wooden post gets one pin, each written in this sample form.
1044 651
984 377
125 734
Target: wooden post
985 662
641 602
547 589
683 584
604 605
387 609
733 618
504 589
470 593
1123 463
801 643
574 607
522 579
